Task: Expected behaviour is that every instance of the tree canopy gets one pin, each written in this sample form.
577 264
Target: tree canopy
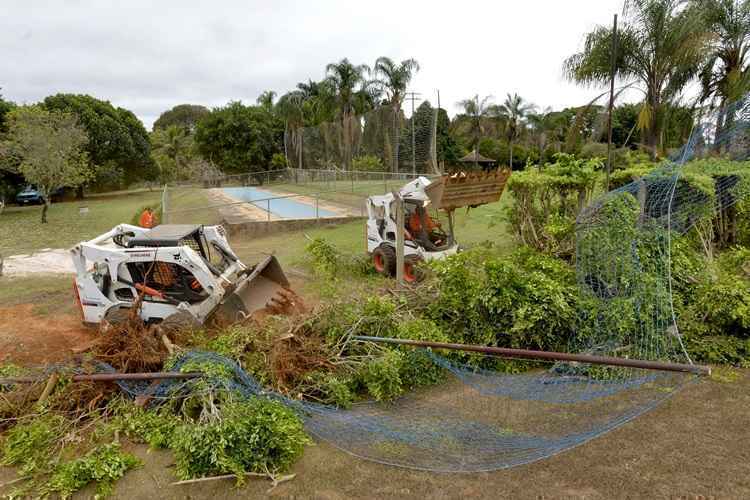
239 138
118 145
48 147
185 116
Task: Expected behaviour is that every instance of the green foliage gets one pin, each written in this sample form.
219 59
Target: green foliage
239 138
527 300
152 427
327 261
418 369
278 161
30 446
49 148
118 143
185 116
546 201
257 436
382 376
103 465
368 163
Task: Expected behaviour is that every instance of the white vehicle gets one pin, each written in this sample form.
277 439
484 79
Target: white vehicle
186 274
425 238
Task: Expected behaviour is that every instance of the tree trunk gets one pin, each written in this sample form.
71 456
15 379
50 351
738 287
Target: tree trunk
79 192
511 154
45 207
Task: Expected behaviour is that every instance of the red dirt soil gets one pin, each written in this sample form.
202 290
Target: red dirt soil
27 339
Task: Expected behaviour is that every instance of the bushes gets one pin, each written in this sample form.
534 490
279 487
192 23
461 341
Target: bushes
103 465
527 300
547 200
256 436
368 163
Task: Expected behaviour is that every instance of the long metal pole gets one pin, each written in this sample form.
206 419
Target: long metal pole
611 99
399 205
556 356
109 377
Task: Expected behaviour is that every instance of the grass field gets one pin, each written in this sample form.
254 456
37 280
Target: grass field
22 232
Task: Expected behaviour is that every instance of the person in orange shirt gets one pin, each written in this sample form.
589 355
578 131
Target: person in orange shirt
147 219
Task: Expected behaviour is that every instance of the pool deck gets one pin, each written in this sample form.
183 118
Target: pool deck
249 211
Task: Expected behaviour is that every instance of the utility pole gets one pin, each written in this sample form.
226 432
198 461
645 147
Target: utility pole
413 96
611 99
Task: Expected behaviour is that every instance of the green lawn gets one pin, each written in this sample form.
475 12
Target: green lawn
22 232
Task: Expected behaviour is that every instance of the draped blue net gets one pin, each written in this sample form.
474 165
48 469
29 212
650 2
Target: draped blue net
480 420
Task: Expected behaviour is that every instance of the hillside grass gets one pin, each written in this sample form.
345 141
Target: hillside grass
22 232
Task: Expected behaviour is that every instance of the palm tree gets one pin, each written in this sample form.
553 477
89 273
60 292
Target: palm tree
476 111
349 83
394 78
661 44
345 79
725 75
514 110
265 100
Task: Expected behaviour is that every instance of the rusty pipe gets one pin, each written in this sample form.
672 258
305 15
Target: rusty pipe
108 377
550 355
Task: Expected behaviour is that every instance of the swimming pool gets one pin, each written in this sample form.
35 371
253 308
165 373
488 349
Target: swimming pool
286 208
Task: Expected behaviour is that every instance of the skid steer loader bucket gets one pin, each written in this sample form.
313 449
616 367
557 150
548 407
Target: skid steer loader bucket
471 189
265 288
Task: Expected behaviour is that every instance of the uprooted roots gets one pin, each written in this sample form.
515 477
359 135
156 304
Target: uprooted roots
296 354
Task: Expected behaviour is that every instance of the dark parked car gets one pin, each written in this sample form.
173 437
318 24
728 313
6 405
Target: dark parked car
31 196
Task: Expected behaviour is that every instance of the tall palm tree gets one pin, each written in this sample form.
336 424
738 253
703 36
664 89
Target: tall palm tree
476 111
661 44
725 76
349 83
345 79
394 78
514 110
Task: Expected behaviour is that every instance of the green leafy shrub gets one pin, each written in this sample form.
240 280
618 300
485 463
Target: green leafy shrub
327 261
526 300
547 200
256 436
152 427
368 163
30 446
103 465
382 376
418 369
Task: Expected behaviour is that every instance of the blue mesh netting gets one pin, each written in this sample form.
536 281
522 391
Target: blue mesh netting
481 420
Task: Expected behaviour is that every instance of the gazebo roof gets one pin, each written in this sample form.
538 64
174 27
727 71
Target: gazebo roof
475 157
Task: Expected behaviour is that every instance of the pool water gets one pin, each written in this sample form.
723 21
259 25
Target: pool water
286 208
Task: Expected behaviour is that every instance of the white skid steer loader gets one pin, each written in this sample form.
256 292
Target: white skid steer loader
187 275
425 238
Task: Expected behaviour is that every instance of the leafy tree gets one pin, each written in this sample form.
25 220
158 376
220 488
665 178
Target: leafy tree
50 149
448 150
661 45
514 110
624 121
118 147
5 108
186 116
239 138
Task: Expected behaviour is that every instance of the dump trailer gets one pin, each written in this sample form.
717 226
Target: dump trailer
178 275
425 238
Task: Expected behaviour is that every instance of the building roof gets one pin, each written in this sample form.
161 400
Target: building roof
475 157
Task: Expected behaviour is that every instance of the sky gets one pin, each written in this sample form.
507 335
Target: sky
149 56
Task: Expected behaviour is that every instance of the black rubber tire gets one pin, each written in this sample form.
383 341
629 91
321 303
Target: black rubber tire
388 256
181 320
117 315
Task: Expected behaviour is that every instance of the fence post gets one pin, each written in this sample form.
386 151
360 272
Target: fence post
399 238
268 208
164 208
317 210
385 184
